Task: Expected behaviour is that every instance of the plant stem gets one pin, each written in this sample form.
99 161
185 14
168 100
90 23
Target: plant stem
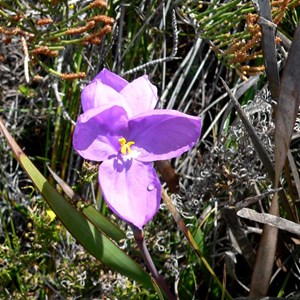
139 238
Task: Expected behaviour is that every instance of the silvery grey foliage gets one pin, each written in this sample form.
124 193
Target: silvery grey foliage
231 167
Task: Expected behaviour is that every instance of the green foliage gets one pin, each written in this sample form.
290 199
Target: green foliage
27 252
30 266
233 30
45 28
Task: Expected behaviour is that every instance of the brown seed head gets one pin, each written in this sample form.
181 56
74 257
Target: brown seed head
44 50
71 76
98 3
104 19
97 36
42 22
79 30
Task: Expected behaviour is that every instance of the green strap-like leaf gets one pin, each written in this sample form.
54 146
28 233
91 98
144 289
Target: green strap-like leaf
93 215
102 223
93 240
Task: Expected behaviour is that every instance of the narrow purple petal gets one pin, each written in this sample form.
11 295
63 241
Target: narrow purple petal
131 189
97 132
111 79
141 96
99 94
163 134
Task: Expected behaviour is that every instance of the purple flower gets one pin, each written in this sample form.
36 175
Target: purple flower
120 127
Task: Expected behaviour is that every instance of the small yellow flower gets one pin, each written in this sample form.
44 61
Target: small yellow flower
51 214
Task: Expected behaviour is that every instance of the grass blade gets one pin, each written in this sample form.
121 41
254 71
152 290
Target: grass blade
263 268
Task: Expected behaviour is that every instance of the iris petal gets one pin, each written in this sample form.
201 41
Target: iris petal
98 94
163 134
131 189
106 88
111 79
140 95
97 132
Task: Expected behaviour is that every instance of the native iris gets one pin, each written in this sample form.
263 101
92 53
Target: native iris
119 118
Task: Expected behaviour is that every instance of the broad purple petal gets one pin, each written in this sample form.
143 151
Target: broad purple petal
131 189
98 94
163 134
111 79
97 132
141 96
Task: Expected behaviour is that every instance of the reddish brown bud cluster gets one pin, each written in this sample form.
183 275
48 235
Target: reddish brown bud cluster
242 50
42 22
104 19
98 3
71 76
281 7
44 50
95 38
15 31
79 30
10 31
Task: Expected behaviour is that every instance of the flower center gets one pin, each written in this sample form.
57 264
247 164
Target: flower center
125 146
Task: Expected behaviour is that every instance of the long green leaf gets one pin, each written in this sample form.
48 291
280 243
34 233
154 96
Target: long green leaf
102 223
93 240
93 215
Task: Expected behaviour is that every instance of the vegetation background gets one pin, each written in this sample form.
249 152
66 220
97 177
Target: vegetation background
51 49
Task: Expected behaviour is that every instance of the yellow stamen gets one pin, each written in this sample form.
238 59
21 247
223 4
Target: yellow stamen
125 146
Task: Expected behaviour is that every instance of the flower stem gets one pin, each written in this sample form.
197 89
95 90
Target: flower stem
139 238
